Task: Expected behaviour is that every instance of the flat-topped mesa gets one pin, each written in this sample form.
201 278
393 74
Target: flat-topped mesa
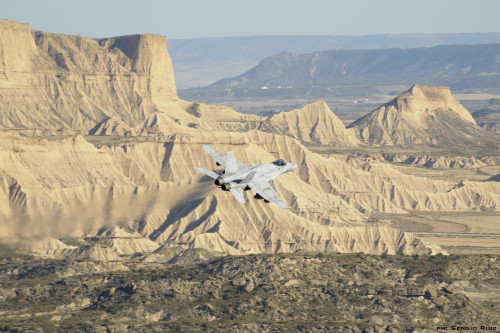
55 81
421 115
149 57
17 47
421 98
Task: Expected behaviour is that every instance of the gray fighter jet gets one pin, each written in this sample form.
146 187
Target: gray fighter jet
238 177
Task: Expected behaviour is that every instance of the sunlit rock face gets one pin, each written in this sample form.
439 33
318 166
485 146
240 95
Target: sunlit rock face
53 81
143 197
421 115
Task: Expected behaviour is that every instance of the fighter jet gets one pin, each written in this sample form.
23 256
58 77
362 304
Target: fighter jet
238 177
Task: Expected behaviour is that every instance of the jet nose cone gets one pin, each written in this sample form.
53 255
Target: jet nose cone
294 166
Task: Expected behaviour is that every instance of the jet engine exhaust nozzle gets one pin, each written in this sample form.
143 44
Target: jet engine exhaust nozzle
226 187
219 181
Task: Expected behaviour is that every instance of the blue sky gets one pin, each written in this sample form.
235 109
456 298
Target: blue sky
221 18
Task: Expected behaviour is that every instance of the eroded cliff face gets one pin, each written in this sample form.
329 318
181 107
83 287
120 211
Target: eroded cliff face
72 188
143 196
150 59
314 123
122 86
421 115
17 48
52 81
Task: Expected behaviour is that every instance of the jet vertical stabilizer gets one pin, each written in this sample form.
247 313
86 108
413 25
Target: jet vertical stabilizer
231 166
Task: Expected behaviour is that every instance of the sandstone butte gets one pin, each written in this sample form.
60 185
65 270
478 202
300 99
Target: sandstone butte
143 195
421 115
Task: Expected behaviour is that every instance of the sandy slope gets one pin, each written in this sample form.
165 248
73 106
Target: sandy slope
421 115
146 183
70 187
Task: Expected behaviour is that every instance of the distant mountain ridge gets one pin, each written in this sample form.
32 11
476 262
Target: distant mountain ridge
458 66
256 48
203 61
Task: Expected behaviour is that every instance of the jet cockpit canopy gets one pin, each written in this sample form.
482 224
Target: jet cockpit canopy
279 162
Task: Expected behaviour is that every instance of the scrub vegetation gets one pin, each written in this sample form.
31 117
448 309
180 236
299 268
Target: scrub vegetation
308 292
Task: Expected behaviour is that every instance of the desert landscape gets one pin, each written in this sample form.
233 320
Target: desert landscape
101 204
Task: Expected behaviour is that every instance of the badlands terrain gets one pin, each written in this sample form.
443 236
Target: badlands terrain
98 160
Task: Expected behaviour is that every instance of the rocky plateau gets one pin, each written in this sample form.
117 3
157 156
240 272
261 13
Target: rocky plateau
300 292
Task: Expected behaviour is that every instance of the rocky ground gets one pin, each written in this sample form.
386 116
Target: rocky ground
305 292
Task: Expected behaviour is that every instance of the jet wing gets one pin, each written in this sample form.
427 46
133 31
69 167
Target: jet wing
265 190
221 158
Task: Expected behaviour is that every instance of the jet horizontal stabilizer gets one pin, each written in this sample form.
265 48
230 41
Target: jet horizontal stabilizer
238 194
209 173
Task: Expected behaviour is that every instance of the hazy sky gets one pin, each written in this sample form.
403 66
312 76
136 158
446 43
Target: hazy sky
220 18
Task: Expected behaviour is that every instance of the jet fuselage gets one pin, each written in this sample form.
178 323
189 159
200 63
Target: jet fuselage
238 177
266 171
